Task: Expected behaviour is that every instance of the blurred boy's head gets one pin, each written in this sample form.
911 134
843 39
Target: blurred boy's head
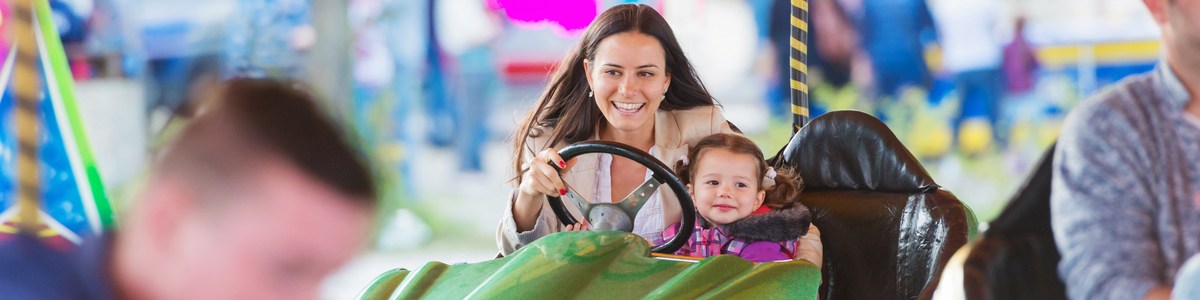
260 196
1179 21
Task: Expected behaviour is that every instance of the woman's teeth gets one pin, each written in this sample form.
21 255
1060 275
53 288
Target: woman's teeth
628 107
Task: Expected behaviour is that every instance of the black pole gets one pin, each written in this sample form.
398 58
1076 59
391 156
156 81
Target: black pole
799 63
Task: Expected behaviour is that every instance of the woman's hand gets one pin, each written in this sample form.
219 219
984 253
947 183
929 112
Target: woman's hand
539 179
542 179
582 225
809 246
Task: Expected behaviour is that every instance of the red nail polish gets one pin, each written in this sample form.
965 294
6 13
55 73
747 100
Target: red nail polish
563 192
562 164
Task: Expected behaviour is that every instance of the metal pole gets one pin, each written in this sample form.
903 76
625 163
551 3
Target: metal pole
799 63
27 87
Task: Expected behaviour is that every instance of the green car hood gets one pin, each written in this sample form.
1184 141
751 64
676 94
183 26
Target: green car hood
599 264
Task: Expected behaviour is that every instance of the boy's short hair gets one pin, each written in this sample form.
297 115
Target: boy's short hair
245 122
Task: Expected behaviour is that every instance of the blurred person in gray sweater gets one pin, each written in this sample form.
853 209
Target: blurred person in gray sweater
1126 182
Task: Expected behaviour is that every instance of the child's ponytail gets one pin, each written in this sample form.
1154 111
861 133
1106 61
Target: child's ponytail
683 170
786 191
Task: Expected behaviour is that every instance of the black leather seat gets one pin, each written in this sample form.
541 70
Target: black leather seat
1016 258
886 226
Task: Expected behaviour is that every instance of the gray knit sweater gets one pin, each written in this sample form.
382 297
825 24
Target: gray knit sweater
1125 188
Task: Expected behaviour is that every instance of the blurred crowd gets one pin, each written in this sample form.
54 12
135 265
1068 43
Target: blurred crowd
949 76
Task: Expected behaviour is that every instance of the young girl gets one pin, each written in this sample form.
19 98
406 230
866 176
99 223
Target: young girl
744 207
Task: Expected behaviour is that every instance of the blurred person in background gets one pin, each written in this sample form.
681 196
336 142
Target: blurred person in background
105 44
406 23
1019 69
1020 62
971 53
373 67
442 116
180 42
779 33
472 79
71 21
1125 195
268 38
259 197
891 32
833 41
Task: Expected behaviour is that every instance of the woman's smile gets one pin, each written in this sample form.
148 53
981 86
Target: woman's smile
628 108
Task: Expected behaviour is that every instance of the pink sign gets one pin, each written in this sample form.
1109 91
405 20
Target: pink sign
568 17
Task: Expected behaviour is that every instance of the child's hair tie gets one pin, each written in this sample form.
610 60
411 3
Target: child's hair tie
769 178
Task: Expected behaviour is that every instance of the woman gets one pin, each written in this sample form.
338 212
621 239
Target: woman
627 81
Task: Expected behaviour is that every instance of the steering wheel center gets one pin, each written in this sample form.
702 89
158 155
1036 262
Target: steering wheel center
608 217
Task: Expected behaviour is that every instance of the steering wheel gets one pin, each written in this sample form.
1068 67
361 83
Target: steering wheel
619 215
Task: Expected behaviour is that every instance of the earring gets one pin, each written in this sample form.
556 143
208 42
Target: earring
664 97
589 94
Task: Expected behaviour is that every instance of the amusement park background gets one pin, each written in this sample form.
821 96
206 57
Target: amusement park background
432 89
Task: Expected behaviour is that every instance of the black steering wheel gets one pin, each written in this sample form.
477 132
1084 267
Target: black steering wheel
619 215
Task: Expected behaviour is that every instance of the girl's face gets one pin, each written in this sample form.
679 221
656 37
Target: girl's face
725 186
628 78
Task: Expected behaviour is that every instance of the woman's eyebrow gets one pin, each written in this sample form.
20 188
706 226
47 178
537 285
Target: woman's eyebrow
639 67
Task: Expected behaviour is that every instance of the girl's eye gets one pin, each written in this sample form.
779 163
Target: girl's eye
741 184
712 182
646 74
612 72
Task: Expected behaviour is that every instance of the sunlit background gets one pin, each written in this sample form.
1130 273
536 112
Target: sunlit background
432 89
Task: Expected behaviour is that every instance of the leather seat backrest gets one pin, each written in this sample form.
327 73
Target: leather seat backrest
886 226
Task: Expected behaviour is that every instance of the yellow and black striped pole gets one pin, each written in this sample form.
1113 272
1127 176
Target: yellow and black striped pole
799 63
27 86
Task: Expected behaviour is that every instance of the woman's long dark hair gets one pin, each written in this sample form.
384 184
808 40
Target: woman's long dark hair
565 107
